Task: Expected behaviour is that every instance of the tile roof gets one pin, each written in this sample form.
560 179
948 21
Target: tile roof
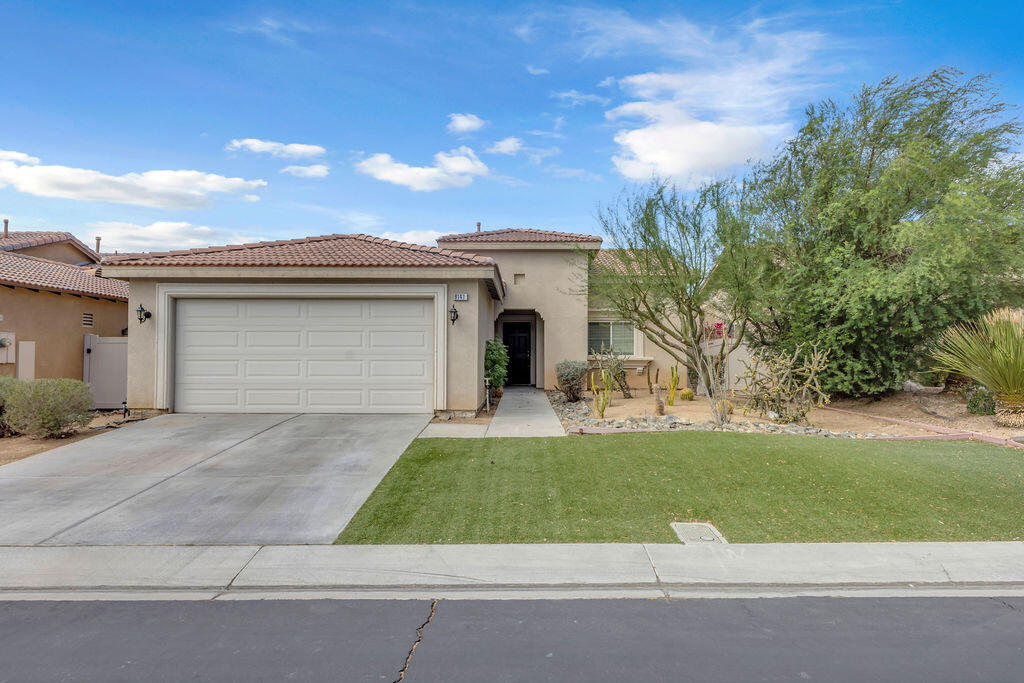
19 270
346 251
519 235
25 239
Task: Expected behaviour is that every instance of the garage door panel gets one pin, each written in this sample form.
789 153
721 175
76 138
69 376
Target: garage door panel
335 339
341 355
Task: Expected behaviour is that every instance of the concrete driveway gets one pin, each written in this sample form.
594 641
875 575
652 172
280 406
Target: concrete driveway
204 479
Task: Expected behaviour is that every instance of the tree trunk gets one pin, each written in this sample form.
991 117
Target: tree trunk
1009 410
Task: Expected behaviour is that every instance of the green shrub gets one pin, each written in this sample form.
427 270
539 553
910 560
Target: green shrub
572 378
496 362
6 384
981 401
48 407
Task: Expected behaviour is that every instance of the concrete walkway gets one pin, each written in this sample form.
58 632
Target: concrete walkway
524 411
512 571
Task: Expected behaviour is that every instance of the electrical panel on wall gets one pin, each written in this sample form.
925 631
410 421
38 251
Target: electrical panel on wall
7 345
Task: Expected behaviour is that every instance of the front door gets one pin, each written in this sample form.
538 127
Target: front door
517 339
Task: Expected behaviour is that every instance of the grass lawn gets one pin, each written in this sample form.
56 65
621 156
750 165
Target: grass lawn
754 488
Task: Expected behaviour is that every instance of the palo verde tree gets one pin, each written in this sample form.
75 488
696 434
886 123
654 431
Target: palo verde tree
883 222
678 269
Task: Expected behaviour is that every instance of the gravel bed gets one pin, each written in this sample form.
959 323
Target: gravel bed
580 414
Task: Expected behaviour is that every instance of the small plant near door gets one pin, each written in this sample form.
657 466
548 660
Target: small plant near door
496 364
572 378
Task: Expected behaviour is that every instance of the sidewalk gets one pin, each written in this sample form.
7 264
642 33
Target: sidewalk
511 571
524 411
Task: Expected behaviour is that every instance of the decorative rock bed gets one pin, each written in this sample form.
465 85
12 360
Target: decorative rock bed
580 415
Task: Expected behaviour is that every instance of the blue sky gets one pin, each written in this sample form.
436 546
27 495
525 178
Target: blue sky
170 125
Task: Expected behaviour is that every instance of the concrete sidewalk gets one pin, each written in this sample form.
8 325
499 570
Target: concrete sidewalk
524 411
512 571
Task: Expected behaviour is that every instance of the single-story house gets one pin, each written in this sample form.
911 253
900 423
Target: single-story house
354 323
50 299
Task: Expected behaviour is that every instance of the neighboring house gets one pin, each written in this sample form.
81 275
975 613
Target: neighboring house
50 299
353 323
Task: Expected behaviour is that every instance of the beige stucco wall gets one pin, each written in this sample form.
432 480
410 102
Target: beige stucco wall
551 285
59 251
54 322
465 340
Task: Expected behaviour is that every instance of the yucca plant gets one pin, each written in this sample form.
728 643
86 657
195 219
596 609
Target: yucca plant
991 352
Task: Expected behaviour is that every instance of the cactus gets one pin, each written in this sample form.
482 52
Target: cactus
686 394
659 404
650 387
673 383
602 396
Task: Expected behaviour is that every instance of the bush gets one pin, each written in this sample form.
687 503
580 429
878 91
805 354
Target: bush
784 387
48 407
496 362
981 401
990 352
6 384
572 378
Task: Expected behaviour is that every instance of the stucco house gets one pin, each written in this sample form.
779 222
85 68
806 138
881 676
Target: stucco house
50 299
354 323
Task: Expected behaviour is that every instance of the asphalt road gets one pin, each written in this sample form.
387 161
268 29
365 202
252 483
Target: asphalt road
798 639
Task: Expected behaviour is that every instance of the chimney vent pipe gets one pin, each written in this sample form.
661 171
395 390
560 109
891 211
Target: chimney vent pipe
98 244
5 227
477 225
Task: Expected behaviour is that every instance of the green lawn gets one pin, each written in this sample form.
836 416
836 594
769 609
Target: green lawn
754 488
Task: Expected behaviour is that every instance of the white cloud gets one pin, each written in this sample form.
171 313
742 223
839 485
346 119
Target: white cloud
510 146
456 168
426 237
250 197
281 150
314 171
278 30
606 82
602 33
163 235
20 157
162 189
577 173
536 70
464 123
575 98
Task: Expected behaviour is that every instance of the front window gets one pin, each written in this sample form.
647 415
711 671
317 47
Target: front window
617 336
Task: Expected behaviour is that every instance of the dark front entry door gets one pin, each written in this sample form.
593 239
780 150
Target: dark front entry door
517 339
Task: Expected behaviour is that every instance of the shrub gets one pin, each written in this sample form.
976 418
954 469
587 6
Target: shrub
496 362
572 378
991 352
686 394
6 384
48 407
784 387
981 401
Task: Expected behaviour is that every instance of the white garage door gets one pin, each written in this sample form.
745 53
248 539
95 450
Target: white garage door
304 355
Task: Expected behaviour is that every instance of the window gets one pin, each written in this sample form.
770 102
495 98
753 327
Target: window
87 320
617 336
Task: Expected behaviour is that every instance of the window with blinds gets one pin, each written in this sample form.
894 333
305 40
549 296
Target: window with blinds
617 336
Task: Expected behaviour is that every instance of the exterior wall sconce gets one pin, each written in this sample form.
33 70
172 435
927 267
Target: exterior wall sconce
143 314
453 314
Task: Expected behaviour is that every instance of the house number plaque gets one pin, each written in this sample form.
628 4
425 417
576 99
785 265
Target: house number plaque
460 296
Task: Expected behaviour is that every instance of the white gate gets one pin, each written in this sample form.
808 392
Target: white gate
106 370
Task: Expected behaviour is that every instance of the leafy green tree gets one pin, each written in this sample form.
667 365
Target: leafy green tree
678 269
883 222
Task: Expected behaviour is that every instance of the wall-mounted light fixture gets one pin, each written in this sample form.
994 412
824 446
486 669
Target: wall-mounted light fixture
453 314
143 314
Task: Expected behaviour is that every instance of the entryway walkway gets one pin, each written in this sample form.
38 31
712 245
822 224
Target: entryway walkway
524 411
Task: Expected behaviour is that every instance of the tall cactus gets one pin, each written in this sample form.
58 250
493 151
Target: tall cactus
602 396
673 384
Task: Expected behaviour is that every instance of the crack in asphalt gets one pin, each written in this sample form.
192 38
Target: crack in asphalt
416 643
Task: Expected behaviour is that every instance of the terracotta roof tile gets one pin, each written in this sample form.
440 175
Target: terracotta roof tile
519 235
20 270
26 239
345 251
